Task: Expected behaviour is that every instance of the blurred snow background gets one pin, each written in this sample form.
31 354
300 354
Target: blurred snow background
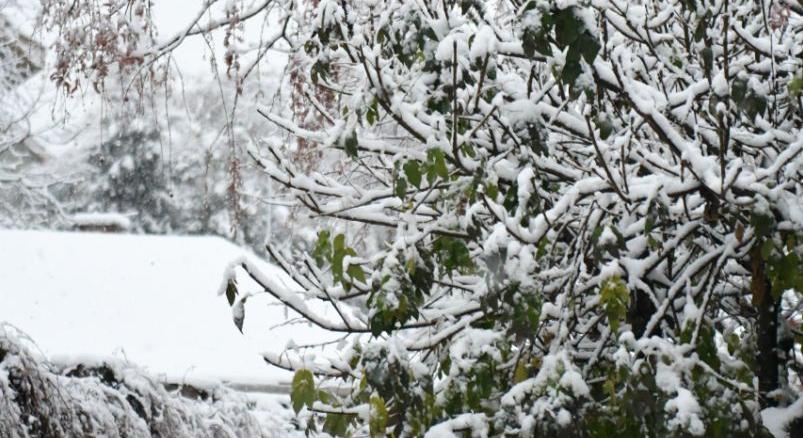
160 170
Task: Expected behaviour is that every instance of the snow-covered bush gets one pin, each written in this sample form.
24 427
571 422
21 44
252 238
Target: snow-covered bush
594 210
38 399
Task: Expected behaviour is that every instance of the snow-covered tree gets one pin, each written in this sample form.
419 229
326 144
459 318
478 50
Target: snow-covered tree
26 189
170 172
591 209
584 215
132 179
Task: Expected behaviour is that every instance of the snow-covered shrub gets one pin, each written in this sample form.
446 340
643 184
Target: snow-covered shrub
39 399
594 210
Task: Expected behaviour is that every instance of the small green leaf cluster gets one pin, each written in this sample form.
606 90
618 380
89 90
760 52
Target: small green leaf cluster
564 29
413 172
334 252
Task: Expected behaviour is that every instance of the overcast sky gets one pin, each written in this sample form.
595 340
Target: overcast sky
173 16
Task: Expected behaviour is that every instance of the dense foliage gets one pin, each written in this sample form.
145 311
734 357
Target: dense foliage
593 213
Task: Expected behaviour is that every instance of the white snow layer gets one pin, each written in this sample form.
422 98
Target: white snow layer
149 300
777 419
101 219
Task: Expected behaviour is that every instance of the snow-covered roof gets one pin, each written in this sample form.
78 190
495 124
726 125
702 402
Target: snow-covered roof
115 221
150 300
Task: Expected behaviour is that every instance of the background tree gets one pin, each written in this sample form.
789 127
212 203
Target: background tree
169 171
133 180
27 178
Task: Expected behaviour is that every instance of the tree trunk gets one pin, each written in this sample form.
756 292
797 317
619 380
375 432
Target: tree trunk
766 328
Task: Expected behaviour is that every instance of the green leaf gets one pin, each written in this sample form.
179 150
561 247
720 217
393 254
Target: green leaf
323 248
649 223
350 144
567 26
528 42
378 416
338 253
231 290
453 254
302 390
699 31
438 162
413 172
595 235
379 322
754 105
605 127
708 59
409 265
762 224
766 249
738 90
363 382
401 187
588 46
337 424
616 299
356 272
795 86
784 272
372 114
706 347
571 70
535 41
520 374
339 242
492 191
541 248
238 313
